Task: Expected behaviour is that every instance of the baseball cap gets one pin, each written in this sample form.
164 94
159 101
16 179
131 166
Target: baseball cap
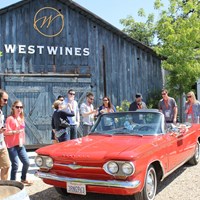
138 95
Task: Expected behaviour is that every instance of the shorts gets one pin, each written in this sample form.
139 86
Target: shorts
4 158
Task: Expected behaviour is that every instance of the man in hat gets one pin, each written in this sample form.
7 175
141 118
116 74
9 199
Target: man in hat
138 103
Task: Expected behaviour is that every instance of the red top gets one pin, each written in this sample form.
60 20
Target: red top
190 110
12 124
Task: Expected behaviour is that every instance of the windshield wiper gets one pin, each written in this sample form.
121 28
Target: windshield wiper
99 133
128 134
137 134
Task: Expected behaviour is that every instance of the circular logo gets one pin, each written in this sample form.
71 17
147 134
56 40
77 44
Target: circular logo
49 22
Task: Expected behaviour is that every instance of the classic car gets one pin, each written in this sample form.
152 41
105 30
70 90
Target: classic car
126 153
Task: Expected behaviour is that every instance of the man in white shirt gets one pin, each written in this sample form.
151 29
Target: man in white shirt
4 157
88 113
74 121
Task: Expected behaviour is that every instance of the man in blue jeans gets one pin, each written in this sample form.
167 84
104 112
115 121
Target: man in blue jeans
74 121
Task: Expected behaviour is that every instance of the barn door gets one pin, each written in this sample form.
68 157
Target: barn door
38 95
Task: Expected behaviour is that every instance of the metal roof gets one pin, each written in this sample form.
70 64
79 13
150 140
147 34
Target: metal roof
83 11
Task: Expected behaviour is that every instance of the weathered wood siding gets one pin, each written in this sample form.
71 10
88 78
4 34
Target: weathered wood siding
37 95
116 65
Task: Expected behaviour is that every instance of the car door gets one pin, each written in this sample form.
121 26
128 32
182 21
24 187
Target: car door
175 149
189 137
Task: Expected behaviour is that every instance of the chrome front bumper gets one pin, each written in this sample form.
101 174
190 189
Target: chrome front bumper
109 183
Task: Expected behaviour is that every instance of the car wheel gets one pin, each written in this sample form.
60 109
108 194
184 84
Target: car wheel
61 191
150 186
195 159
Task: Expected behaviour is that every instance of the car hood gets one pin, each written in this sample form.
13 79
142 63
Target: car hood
98 148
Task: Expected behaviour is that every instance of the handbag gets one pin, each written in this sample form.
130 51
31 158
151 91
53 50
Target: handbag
64 123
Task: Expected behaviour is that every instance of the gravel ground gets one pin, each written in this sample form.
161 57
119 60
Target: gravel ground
183 184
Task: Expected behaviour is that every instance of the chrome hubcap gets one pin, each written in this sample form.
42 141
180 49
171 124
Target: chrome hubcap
197 152
151 184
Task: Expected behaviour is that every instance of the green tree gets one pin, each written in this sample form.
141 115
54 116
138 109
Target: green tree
178 32
141 31
124 106
178 40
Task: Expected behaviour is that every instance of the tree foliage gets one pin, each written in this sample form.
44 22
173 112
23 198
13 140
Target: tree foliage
178 40
124 106
141 31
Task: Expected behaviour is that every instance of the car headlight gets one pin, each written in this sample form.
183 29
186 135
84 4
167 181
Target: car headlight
113 167
49 162
128 168
39 161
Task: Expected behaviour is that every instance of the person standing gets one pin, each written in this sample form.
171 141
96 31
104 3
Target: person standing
60 123
74 121
167 105
106 107
4 157
15 139
192 108
138 103
88 113
53 138
60 97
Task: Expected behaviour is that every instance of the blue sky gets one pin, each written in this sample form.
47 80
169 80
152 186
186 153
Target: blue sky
110 10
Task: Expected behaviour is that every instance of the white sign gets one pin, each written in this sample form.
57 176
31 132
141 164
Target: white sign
51 50
76 188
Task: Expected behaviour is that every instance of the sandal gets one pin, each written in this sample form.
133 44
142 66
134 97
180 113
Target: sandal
27 182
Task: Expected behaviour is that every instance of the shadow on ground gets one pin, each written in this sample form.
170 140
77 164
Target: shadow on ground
51 193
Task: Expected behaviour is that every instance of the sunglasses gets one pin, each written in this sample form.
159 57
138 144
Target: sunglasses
105 100
5 100
189 96
72 94
21 107
163 93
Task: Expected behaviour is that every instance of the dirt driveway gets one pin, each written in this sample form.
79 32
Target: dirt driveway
183 184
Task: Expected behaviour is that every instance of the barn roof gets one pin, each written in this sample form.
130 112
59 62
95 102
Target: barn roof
93 17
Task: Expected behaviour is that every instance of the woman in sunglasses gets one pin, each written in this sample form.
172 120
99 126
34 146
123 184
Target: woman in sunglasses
15 139
192 108
106 107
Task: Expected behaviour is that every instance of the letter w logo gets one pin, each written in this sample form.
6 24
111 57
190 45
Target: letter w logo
45 20
41 19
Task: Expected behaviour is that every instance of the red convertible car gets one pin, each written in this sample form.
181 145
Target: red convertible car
126 153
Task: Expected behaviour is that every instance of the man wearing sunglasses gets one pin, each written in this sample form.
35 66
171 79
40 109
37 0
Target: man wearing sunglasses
167 105
74 121
4 157
88 113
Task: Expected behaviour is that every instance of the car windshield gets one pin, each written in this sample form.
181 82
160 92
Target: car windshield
129 123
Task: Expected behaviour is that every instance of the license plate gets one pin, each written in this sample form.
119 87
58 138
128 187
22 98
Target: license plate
76 188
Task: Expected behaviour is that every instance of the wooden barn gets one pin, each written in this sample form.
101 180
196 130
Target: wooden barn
50 46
